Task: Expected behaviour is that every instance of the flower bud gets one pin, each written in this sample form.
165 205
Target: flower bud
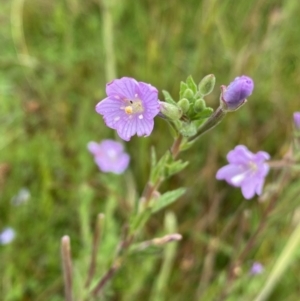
297 120
188 93
236 93
170 111
207 84
184 104
199 105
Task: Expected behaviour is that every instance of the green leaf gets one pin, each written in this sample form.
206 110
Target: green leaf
159 170
169 98
183 87
175 167
186 145
191 84
205 113
167 198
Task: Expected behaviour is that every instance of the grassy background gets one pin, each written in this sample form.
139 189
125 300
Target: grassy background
53 72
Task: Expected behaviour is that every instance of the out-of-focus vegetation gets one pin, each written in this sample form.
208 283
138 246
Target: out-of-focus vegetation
54 71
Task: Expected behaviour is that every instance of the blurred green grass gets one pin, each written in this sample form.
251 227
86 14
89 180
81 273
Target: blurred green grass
53 73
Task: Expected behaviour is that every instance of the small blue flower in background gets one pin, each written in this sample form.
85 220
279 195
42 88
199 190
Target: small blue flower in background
109 155
297 120
245 170
256 268
235 94
7 236
130 107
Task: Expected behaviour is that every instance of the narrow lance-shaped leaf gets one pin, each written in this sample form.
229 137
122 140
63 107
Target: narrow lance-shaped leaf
158 171
175 167
167 199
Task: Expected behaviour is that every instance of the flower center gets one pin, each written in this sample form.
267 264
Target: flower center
112 154
252 166
134 106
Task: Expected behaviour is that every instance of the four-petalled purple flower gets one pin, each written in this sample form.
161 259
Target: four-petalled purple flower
130 107
235 94
109 155
246 170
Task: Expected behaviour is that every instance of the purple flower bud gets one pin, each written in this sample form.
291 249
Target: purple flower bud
236 93
297 120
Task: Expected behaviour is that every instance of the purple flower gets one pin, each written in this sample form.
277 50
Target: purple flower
130 107
7 236
297 120
256 268
109 155
245 170
236 93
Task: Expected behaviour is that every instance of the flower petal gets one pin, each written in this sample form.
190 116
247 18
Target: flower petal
127 128
261 156
249 188
149 95
144 126
239 155
94 147
227 172
109 145
125 87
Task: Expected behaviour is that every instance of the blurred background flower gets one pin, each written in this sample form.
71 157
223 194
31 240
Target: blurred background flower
109 155
246 170
7 236
256 268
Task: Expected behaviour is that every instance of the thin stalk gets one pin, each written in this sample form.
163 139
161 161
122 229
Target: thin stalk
67 266
95 247
107 276
108 39
216 117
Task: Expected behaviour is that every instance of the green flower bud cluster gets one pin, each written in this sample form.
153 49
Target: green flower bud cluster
190 111
191 100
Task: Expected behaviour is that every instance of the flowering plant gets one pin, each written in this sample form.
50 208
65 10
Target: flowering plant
130 109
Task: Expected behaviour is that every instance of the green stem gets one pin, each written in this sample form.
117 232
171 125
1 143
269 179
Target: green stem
108 40
210 123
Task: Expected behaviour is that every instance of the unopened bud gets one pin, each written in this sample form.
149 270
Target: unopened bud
236 93
188 93
207 84
170 111
199 105
184 104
